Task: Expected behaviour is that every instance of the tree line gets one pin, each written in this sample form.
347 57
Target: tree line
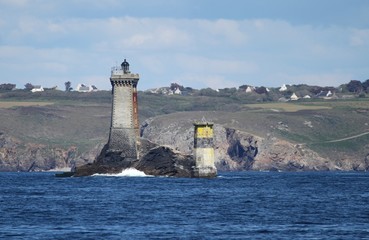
30 86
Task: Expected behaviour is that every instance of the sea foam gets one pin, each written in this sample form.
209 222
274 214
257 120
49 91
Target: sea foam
129 172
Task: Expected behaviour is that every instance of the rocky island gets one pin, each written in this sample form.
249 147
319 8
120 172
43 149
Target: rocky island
155 161
125 149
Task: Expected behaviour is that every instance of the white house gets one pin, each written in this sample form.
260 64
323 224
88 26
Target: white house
249 89
84 88
177 91
326 95
37 88
294 97
283 88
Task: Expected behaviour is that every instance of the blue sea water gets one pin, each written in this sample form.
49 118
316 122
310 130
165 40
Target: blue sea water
242 205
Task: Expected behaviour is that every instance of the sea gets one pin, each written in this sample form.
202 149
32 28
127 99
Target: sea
234 205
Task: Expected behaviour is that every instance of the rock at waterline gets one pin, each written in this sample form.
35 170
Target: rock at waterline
164 161
156 161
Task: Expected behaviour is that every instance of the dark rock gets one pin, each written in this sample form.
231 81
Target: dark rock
156 160
144 146
241 149
64 174
164 161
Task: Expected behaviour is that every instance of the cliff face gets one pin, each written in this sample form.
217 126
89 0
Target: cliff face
16 155
237 150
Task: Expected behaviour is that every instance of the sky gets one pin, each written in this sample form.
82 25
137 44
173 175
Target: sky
195 43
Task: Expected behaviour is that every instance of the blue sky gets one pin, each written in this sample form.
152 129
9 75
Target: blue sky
196 43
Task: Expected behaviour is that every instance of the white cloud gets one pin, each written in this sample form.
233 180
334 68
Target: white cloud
222 29
55 28
323 79
213 53
191 63
154 64
206 80
157 37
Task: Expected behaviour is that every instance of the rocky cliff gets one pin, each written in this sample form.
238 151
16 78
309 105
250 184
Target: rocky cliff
237 150
18 156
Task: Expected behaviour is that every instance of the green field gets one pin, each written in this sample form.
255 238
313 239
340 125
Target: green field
285 107
10 104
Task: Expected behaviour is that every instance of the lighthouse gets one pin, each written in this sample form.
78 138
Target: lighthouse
124 128
204 149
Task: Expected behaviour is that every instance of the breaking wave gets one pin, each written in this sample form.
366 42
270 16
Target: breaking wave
129 172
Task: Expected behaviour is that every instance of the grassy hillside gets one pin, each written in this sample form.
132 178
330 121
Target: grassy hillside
332 128
56 118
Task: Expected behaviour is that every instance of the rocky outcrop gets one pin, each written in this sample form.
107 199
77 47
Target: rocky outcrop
234 150
18 156
86 157
237 150
242 148
155 160
279 155
164 161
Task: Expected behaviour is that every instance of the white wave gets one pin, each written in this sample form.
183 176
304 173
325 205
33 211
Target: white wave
129 172
66 169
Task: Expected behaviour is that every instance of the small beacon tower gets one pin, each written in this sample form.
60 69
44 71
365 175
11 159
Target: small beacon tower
124 129
204 150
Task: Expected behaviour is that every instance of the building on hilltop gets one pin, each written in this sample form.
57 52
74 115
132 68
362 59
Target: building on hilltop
37 88
283 88
324 94
84 88
250 89
294 97
177 91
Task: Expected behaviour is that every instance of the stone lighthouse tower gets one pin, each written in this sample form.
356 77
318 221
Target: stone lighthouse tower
204 150
124 129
